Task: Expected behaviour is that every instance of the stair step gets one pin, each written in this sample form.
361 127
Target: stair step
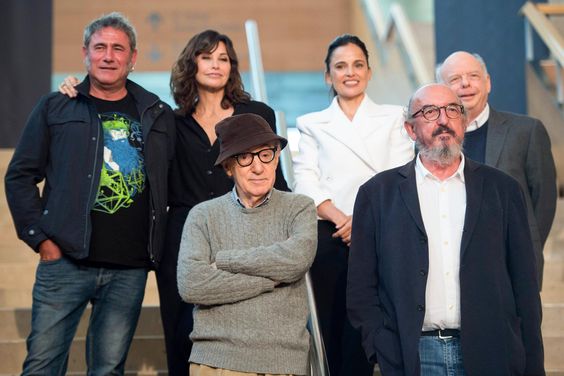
553 350
17 280
15 324
553 319
146 355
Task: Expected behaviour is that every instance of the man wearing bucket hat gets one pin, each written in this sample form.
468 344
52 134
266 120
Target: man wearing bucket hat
242 262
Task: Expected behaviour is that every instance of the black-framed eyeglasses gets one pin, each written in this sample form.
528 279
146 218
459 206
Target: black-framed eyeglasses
264 155
431 112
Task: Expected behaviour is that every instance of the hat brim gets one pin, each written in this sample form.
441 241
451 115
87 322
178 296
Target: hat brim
246 143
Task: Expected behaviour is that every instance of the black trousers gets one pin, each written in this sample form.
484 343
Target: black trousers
329 277
176 315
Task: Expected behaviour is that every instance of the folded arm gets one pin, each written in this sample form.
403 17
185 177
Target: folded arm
284 262
199 282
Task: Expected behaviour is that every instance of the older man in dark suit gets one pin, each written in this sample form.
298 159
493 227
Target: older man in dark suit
442 276
516 144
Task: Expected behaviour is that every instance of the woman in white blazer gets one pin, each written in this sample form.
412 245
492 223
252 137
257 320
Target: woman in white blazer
340 148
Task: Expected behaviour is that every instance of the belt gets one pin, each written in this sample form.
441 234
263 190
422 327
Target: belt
442 333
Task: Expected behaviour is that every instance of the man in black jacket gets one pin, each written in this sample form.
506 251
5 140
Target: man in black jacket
98 223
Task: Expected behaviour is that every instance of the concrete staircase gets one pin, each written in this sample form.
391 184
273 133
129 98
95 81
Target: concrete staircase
147 355
17 274
553 296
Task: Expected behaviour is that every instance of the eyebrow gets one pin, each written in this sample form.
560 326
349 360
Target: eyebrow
355 61
461 73
109 44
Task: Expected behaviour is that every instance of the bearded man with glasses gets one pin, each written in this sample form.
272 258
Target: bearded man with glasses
242 262
441 277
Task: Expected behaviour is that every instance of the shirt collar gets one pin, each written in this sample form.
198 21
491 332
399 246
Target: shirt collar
236 198
480 119
423 173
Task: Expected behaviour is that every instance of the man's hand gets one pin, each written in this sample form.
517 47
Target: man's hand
49 251
67 86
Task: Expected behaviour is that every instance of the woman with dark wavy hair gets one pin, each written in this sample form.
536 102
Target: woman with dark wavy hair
207 88
183 84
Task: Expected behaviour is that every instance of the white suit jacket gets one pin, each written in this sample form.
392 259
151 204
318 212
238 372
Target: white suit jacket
336 155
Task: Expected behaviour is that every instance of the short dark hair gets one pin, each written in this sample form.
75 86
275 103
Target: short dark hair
183 83
114 20
343 40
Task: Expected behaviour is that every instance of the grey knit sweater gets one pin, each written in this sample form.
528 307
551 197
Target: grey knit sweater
251 312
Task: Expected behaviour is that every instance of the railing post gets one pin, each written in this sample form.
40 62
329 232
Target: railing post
286 156
255 61
559 83
529 50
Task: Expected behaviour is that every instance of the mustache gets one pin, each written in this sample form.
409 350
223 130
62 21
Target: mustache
443 129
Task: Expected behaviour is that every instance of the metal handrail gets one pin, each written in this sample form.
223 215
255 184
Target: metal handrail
382 31
535 19
255 61
318 361
551 9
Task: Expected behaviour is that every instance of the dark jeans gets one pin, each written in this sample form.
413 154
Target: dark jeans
61 292
329 277
176 315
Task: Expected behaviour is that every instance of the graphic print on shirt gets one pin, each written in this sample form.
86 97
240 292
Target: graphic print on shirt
123 171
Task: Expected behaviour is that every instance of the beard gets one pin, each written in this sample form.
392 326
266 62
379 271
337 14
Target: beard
444 154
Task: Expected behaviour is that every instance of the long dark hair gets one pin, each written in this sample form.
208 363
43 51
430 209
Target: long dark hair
183 77
343 40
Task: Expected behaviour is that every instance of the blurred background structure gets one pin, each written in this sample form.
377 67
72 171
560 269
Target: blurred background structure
41 41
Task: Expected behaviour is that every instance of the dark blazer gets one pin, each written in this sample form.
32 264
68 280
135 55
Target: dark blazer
388 266
519 146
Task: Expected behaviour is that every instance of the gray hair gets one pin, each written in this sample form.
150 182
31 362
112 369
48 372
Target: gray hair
439 78
114 20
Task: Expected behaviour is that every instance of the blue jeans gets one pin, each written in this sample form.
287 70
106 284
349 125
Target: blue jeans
441 357
61 293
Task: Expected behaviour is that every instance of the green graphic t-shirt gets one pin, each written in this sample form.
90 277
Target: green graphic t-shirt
120 216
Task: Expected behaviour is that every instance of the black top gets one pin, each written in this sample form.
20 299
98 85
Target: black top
120 226
193 176
475 143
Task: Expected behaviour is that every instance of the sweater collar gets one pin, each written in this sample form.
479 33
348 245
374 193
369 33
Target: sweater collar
236 199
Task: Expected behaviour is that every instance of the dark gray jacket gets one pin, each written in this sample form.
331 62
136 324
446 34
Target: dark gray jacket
62 145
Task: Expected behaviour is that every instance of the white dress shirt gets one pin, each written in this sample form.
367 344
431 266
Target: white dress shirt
443 206
480 119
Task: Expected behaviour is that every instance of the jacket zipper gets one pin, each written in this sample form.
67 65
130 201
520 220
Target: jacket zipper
87 214
153 215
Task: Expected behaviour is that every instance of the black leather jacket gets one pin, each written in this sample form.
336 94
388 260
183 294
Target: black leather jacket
62 145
